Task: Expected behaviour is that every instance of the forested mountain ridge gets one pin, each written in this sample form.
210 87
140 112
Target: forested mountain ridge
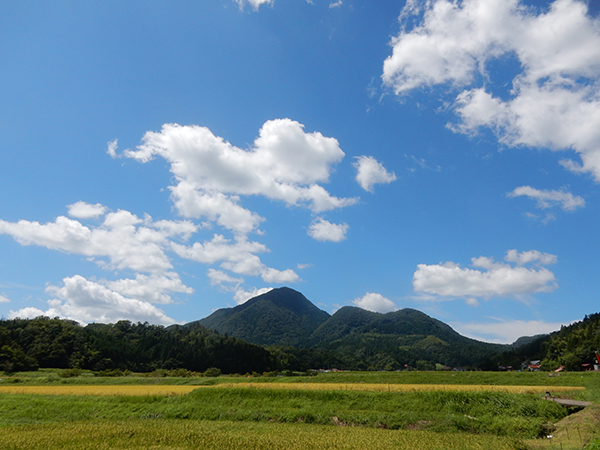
356 338
396 340
574 345
351 319
281 316
352 338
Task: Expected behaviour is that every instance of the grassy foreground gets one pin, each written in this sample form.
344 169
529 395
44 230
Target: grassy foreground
176 434
499 413
345 410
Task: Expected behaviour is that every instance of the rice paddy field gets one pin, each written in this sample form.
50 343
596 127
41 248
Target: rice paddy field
417 410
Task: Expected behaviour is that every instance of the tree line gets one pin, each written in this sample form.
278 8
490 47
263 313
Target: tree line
29 344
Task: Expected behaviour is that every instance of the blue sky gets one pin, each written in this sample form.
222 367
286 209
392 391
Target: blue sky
160 160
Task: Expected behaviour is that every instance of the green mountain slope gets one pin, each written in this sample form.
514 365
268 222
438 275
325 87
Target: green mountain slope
356 338
392 341
282 316
350 319
574 346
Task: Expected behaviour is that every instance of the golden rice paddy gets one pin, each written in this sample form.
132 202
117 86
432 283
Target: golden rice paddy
217 435
165 390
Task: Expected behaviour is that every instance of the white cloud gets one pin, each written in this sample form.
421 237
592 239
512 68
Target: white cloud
122 241
26 313
126 240
546 199
270 275
83 210
497 279
242 296
472 301
220 278
112 148
503 331
285 164
231 284
336 4
86 301
150 288
4 299
255 4
554 101
216 207
531 256
238 257
375 302
323 230
371 172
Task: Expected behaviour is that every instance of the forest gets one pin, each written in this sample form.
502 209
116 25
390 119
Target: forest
29 344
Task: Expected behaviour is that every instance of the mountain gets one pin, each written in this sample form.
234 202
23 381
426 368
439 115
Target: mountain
352 320
356 338
281 316
369 340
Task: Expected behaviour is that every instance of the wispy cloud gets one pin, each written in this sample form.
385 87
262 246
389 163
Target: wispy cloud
254 4
548 199
505 331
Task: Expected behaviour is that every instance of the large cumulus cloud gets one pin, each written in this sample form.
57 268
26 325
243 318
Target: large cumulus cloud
554 99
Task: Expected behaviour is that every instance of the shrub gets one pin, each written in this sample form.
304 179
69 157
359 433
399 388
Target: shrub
212 372
70 373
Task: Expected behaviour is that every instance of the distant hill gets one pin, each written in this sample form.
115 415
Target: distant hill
523 350
526 340
357 339
392 341
282 316
574 346
352 320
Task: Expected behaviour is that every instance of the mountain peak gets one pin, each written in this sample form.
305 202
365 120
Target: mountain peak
282 316
283 297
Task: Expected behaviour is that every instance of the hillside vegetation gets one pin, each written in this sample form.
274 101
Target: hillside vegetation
284 331
574 345
56 343
352 338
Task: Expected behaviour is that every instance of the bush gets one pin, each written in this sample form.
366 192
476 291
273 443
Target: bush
212 372
70 373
